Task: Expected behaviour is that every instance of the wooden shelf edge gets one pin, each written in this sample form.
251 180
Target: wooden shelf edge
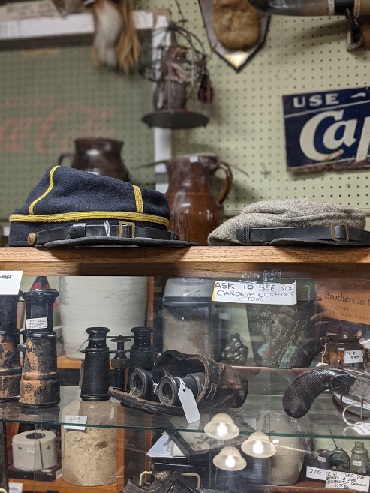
73 24
307 486
62 487
68 363
198 261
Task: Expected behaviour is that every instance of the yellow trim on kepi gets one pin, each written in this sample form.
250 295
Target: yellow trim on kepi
78 216
138 199
47 191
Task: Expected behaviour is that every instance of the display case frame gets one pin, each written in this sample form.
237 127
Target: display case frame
214 262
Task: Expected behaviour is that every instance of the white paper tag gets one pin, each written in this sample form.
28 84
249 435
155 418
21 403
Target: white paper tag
75 422
10 281
188 403
37 323
361 428
15 487
269 293
347 480
316 473
353 356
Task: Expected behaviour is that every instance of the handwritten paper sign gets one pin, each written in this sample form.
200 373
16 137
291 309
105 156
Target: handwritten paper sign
316 473
15 487
347 481
268 293
75 422
37 323
353 356
10 281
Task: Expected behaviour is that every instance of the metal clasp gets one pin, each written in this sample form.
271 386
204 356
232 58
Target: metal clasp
121 224
333 232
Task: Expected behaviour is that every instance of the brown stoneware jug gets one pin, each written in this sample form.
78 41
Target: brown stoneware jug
98 155
195 209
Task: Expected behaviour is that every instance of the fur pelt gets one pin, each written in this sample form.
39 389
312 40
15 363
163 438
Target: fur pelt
116 43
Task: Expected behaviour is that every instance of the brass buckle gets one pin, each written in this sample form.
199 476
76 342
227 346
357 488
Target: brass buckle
332 232
126 223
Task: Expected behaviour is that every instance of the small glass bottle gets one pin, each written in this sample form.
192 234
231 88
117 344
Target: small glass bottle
359 459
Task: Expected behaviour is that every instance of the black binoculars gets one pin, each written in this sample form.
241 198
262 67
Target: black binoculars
165 389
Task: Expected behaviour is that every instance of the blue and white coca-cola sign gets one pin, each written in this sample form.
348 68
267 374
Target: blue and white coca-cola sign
327 130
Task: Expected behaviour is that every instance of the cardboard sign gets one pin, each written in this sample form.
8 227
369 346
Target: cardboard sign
344 299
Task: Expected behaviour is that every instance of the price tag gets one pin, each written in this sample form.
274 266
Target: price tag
347 480
10 281
36 323
316 473
188 403
75 422
353 356
268 293
15 487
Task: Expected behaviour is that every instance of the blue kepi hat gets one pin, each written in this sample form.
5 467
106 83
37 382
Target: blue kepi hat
72 207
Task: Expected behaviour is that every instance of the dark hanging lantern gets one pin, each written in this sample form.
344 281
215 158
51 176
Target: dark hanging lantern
179 92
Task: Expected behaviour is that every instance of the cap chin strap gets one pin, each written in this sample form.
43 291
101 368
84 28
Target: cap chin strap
334 234
123 229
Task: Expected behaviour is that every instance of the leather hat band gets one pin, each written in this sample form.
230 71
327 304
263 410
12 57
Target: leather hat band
127 230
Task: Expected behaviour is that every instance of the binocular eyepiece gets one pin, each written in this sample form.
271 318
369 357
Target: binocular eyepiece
145 385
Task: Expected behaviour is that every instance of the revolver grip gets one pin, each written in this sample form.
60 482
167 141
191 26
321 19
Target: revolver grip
300 395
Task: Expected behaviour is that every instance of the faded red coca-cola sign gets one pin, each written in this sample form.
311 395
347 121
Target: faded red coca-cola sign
46 128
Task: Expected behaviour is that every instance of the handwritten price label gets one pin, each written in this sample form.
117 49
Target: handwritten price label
353 356
251 292
10 281
316 473
36 323
347 480
15 487
75 422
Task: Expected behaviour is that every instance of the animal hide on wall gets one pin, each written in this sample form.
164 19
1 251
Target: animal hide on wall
116 43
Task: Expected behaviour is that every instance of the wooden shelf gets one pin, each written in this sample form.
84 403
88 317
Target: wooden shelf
69 363
307 486
53 25
62 487
187 262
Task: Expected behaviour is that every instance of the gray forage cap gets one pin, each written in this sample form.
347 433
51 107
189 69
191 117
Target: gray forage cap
286 213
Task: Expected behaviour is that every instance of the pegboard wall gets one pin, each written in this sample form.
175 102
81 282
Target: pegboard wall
246 126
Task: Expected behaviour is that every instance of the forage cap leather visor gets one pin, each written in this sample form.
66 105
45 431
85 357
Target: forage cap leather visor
72 207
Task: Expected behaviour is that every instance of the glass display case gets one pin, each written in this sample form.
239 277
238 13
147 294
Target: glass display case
249 373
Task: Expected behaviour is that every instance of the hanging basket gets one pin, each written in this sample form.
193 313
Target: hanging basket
178 94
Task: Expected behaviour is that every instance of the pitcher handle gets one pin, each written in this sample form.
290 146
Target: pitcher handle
62 157
228 180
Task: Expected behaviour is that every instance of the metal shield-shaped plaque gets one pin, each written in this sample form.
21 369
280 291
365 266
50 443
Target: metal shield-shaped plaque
235 33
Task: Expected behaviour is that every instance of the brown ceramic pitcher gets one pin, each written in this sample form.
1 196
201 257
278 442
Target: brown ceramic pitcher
100 156
195 210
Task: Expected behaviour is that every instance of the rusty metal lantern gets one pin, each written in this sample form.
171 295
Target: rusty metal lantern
179 93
